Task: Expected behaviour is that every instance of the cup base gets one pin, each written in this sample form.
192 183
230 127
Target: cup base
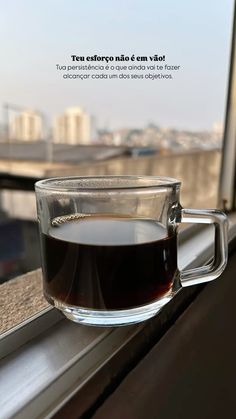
111 318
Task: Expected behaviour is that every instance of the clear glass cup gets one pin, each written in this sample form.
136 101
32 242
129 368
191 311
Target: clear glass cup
109 246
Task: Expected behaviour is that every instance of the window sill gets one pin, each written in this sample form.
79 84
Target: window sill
20 299
59 359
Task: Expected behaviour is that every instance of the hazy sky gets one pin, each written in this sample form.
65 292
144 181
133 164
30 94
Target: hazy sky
37 35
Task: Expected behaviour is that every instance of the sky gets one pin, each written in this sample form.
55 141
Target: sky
195 34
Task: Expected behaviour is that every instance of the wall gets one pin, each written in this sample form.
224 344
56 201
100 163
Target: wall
198 172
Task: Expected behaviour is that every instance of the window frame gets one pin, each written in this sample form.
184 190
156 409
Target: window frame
227 184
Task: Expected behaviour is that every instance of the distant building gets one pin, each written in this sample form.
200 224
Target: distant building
73 127
27 126
218 128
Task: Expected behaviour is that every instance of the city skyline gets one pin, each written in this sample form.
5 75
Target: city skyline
73 128
14 110
50 32
47 124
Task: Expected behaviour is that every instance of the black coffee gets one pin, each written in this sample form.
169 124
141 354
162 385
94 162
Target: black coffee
107 262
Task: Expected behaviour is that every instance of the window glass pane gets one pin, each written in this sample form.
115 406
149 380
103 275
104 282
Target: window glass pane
145 120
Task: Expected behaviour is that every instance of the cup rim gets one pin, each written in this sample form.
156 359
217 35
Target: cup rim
114 182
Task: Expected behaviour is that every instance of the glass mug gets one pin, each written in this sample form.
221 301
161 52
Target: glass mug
109 246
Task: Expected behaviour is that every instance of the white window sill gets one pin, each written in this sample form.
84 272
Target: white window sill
47 360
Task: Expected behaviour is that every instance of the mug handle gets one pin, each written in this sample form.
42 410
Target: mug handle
215 268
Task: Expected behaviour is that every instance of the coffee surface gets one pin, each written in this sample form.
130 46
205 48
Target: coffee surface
107 262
